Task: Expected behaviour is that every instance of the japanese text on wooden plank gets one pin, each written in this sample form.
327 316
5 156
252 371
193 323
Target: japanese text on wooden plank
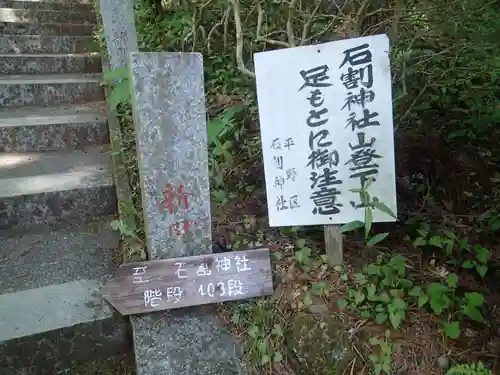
188 281
326 126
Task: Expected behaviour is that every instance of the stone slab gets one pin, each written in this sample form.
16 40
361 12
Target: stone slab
52 166
186 342
45 129
169 109
24 211
26 28
43 90
50 63
49 308
119 30
53 187
45 44
51 327
46 16
66 5
44 259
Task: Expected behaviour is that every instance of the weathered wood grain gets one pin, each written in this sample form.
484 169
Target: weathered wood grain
157 285
333 245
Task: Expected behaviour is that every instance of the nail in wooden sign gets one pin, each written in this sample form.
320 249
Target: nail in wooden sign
157 285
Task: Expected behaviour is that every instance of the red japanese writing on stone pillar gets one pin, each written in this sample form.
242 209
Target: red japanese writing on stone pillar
173 200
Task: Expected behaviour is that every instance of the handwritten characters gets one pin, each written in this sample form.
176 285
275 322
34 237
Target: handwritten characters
357 78
284 174
230 288
213 277
173 201
139 273
323 159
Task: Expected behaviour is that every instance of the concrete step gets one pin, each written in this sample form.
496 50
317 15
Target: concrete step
56 29
61 127
50 63
43 90
50 187
46 44
66 5
46 16
51 308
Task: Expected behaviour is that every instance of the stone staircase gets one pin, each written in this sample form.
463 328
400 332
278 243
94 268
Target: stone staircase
57 193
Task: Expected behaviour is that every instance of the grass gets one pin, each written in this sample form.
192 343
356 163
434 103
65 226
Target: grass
423 299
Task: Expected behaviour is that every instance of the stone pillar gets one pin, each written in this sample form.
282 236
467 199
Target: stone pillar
168 102
119 30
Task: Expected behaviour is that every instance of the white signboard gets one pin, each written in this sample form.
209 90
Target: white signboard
326 125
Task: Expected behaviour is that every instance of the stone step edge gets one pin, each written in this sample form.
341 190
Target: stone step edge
67 11
39 43
35 185
76 114
56 1
12 36
42 25
62 171
43 79
50 308
79 55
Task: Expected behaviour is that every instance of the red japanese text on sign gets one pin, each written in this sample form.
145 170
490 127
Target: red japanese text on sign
169 197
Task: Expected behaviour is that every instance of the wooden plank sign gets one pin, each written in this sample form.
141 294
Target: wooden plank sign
157 285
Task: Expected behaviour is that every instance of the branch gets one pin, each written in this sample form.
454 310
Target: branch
260 19
217 25
239 40
259 38
274 42
307 25
289 22
340 9
320 33
396 21
193 31
226 26
360 17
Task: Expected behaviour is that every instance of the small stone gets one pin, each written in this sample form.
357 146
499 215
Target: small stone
443 362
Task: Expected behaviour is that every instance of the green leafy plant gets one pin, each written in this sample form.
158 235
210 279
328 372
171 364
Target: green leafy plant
120 92
445 239
480 263
491 218
443 301
477 368
382 358
222 132
370 203
458 249
378 292
305 256
265 333
124 230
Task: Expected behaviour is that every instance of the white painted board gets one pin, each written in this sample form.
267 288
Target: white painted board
326 125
